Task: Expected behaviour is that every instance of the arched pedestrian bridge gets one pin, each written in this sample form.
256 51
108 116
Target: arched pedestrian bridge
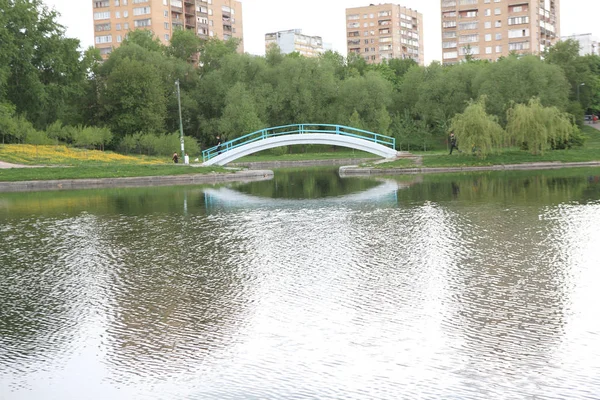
334 135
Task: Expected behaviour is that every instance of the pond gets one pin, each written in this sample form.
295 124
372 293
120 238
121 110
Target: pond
307 286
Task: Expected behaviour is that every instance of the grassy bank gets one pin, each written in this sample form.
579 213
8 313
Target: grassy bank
589 152
61 162
101 171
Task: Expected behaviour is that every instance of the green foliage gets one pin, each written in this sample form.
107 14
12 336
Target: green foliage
240 116
40 70
7 122
133 99
537 127
477 131
184 44
145 39
517 80
157 145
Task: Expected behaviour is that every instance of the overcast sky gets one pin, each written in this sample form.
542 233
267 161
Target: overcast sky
326 18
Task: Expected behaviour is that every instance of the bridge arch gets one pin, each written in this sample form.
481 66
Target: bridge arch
335 135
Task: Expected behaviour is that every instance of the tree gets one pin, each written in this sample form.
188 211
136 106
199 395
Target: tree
239 117
8 125
184 44
145 39
517 80
133 98
40 69
539 128
477 131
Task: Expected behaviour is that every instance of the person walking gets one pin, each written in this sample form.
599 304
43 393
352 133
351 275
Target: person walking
175 158
453 144
218 144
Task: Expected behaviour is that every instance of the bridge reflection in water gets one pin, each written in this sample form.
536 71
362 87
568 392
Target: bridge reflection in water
384 193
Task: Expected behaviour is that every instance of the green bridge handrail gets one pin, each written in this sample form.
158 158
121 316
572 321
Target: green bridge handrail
298 129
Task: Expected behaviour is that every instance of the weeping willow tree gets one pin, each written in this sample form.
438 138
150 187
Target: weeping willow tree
538 128
477 131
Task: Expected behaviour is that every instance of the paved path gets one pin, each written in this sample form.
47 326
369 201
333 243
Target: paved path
596 125
5 165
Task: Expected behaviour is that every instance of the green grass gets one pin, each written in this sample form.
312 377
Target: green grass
589 152
111 170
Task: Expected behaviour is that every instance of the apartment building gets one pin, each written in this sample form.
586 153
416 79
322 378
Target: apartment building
385 31
294 41
588 43
489 29
113 19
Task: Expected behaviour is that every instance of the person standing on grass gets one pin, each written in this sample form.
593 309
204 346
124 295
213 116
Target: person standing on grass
175 158
453 144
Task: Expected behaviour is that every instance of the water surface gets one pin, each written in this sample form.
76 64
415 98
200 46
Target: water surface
308 286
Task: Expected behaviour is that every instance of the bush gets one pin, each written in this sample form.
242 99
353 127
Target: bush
158 145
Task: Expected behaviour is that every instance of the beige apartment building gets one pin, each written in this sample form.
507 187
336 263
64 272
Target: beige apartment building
489 29
113 19
385 31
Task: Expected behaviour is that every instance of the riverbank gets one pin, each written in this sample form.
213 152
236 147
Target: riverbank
192 179
369 171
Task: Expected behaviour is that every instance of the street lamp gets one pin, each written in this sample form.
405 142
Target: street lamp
180 120
578 86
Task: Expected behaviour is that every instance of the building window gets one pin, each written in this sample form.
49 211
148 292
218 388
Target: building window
518 46
449 35
119 39
450 54
467 25
102 15
141 11
468 38
166 25
488 37
498 24
103 39
488 25
498 36
100 4
102 27
140 23
167 37
488 50
514 33
498 49
497 11
518 20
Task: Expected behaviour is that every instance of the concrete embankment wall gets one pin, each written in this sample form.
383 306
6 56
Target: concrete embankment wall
194 179
365 171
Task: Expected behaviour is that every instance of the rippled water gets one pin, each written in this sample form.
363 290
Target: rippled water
307 286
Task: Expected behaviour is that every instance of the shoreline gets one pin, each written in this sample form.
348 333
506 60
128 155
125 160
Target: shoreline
369 171
252 175
141 181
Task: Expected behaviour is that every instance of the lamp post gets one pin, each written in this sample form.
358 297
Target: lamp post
578 86
180 120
